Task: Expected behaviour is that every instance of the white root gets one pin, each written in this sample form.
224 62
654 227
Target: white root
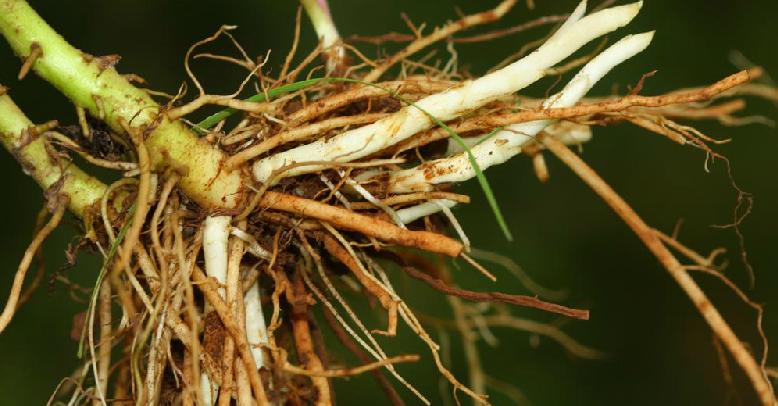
209 389
576 15
413 213
447 105
215 247
335 192
256 329
370 198
568 132
251 244
509 142
215 238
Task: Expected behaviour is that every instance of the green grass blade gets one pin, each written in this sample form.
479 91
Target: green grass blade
488 136
213 119
479 174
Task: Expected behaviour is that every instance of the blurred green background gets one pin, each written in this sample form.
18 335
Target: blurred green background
659 349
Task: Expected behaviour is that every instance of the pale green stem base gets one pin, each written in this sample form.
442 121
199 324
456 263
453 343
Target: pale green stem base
95 85
50 172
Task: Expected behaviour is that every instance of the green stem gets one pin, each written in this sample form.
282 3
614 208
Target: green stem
95 85
48 170
334 53
321 18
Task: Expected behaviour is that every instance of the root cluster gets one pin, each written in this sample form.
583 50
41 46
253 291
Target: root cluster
228 307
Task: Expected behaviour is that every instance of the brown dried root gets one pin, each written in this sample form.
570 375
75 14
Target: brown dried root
568 343
344 338
439 34
502 318
342 373
35 53
142 203
24 265
719 326
489 121
293 50
374 348
298 298
369 226
203 99
340 99
39 259
469 338
492 35
368 282
707 265
519 273
495 297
